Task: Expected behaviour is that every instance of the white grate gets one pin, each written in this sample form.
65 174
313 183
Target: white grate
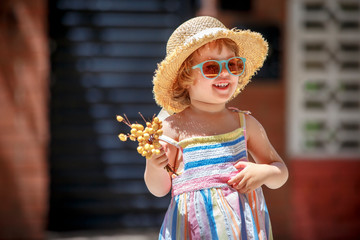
323 78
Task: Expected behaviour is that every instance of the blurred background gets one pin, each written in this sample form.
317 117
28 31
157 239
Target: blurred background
68 67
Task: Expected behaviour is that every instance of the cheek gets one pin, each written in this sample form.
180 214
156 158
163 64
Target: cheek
197 74
235 87
236 82
197 88
197 82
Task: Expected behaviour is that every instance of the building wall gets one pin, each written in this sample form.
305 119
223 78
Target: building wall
325 199
23 121
324 158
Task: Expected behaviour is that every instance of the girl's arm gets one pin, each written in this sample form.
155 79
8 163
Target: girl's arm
156 177
269 168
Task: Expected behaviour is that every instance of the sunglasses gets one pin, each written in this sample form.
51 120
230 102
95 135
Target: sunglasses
211 69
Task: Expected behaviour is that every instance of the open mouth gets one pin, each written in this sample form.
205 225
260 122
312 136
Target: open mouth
221 85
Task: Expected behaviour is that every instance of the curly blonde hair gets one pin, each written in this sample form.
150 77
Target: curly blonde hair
184 78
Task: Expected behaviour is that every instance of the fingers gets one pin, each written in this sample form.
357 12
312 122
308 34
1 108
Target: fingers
243 186
241 165
238 182
241 182
159 160
240 175
236 179
164 145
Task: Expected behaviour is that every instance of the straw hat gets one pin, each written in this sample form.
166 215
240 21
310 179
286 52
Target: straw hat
193 34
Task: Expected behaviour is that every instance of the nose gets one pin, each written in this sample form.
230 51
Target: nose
224 70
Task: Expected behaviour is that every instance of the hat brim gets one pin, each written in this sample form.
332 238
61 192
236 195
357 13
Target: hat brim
251 45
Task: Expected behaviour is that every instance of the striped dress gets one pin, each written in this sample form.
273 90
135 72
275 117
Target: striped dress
203 205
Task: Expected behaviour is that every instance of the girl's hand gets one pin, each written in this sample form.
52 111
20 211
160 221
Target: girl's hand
159 160
249 177
156 177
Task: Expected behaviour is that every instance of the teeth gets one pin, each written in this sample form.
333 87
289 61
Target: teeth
221 84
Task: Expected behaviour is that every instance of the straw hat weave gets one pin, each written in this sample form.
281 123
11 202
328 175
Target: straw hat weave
190 36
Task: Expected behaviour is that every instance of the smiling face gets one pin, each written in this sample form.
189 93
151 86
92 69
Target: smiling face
218 91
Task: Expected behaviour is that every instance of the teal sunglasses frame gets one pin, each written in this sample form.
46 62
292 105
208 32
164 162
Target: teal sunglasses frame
200 65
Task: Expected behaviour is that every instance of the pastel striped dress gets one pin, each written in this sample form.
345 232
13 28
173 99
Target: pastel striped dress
203 205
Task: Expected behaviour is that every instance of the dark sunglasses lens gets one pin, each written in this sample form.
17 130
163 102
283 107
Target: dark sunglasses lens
211 69
236 66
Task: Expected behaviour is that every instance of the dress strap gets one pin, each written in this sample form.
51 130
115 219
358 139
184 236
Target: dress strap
169 140
242 120
242 123
241 116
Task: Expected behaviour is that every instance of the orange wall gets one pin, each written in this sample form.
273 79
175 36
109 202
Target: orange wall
23 121
325 199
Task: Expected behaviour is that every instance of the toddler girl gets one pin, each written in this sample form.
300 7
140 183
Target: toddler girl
216 191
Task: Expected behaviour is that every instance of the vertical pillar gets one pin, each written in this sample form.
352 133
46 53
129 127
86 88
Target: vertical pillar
23 119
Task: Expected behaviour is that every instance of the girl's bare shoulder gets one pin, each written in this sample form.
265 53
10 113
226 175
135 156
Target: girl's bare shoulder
172 125
254 128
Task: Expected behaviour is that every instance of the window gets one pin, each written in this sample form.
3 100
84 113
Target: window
323 78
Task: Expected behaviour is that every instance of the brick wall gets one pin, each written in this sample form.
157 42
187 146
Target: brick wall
326 200
23 121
